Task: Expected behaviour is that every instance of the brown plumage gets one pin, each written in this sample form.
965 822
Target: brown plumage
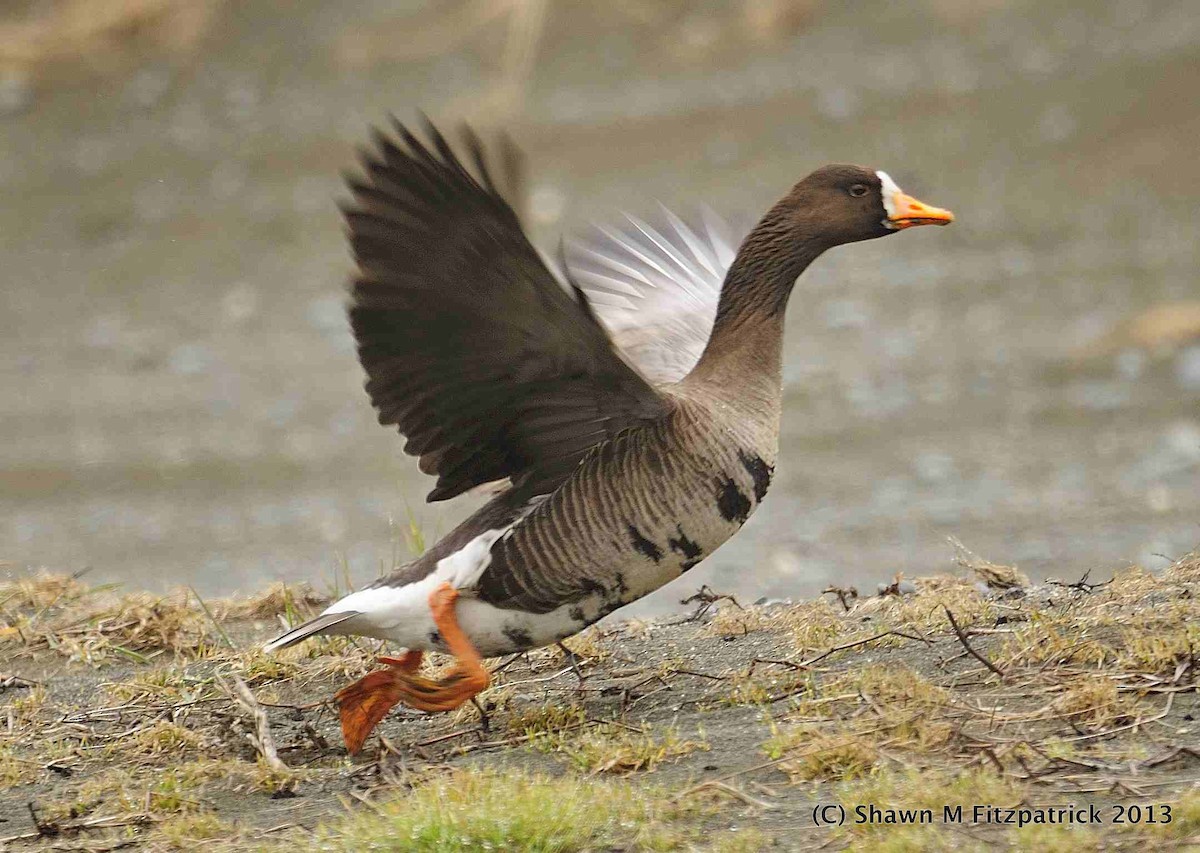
472 348
496 371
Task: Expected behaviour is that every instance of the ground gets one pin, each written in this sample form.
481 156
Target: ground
129 721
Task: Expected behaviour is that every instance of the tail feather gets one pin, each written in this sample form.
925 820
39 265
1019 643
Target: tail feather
318 625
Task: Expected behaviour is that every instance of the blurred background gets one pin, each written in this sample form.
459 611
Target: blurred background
179 398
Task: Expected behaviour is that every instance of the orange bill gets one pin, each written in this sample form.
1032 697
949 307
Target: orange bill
906 211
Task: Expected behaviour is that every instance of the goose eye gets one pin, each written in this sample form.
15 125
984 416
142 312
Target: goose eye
858 190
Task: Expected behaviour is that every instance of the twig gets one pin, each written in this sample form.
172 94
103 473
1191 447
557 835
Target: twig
834 650
315 736
541 680
263 742
707 598
990 754
45 829
307 706
776 661
695 674
844 594
645 696
733 792
962 638
1169 756
447 736
512 741
706 595
485 721
507 663
280 828
727 776
16 682
598 722
1135 724
1082 584
83 826
362 798
570 656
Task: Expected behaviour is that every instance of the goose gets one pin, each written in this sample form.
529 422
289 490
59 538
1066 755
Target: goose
626 415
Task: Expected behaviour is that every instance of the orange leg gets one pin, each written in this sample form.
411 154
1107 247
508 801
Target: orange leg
365 702
411 661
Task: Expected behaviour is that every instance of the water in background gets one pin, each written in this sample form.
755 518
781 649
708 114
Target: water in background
179 399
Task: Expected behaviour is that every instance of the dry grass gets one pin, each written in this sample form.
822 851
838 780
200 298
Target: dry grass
159 738
926 610
1090 688
15 770
934 791
99 627
618 748
546 719
490 810
814 754
1095 704
294 602
99 33
731 621
93 626
135 789
1081 667
182 832
1185 814
760 686
588 646
892 686
24 710
865 714
813 624
42 591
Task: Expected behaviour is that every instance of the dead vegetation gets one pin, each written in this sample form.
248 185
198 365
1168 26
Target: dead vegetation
153 721
100 34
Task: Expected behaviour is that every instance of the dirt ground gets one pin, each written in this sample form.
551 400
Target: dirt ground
124 723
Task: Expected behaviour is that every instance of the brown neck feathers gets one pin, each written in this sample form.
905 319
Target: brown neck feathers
755 293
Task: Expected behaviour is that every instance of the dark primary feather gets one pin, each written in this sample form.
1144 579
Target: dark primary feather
486 364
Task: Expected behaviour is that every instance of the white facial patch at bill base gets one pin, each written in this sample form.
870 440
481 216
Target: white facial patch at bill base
888 190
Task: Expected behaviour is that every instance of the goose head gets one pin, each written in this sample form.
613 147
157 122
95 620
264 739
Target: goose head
844 204
833 206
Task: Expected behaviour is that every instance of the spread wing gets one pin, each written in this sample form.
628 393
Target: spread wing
487 365
656 289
